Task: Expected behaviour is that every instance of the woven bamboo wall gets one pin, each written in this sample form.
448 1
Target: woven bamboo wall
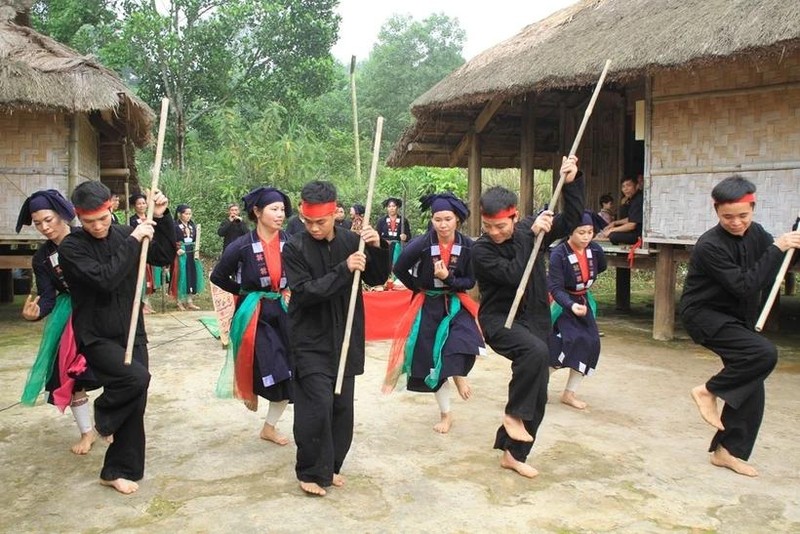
709 123
33 155
88 163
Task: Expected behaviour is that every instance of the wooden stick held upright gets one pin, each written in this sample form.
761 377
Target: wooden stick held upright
351 308
776 286
523 283
355 116
137 296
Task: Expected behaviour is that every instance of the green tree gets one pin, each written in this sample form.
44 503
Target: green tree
70 21
207 54
409 58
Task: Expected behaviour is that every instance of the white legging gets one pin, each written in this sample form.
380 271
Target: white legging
443 397
275 411
573 381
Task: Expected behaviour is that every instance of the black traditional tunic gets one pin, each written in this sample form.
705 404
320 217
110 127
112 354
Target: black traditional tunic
240 271
498 270
574 341
390 230
101 274
230 231
321 284
415 269
185 276
719 308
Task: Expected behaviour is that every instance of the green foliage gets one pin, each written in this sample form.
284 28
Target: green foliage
70 21
409 58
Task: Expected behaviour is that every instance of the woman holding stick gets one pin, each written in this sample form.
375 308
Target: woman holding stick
730 265
58 367
437 266
252 270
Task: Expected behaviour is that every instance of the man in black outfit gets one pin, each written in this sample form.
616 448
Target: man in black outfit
233 227
319 264
499 258
628 228
100 266
730 265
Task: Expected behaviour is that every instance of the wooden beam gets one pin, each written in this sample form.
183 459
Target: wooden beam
527 153
115 173
428 147
15 262
664 298
483 119
474 185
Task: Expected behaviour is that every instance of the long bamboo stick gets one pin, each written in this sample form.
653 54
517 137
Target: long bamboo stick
355 117
137 296
776 286
523 283
351 308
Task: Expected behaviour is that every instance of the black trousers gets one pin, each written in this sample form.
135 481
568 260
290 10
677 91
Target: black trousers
119 410
748 359
527 390
624 238
323 426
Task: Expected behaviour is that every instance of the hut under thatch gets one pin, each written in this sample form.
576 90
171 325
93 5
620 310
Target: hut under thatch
64 119
698 90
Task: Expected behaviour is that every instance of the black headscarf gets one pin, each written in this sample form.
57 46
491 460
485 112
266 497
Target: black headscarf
48 199
263 196
445 202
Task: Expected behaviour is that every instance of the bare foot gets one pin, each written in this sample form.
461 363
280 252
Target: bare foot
312 488
462 385
722 458
192 306
270 433
443 426
122 485
387 388
338 480
568 398
251 404
515 429
707 404
84 445
181 307
508 462
108 439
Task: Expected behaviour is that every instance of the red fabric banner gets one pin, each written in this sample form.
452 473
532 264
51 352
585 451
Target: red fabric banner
382 312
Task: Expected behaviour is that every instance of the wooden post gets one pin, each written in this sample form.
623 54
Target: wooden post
664 299
527 151
474 180
6 286
623 289
355 117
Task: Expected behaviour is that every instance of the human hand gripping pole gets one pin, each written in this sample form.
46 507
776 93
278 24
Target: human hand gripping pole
351 308
523 283
137 296
776 286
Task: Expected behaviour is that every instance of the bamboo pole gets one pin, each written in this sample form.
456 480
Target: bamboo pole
776 286
355 117
351 308
137 296
197 243
523 283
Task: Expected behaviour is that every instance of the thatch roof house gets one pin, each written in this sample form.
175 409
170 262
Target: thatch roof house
64 118
698 90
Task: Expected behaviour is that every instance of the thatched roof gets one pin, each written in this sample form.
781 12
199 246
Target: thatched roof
38 73
567 50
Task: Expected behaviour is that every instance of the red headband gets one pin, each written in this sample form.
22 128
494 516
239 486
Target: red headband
322 209
105 206
749 197
502 214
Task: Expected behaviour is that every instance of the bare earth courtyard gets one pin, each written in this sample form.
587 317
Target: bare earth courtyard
634 461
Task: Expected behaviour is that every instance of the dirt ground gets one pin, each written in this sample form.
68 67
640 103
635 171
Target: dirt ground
635 461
